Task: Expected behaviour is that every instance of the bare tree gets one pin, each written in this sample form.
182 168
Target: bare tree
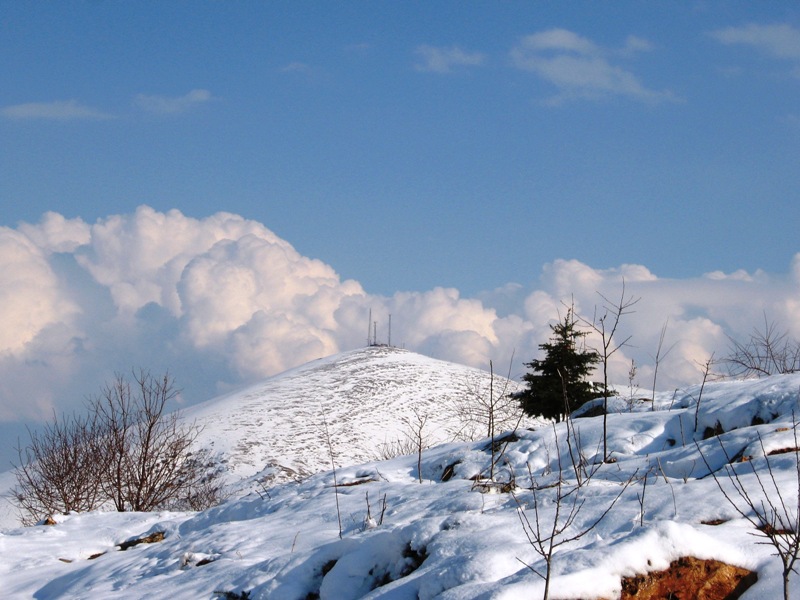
606 326
774 517
58 471
766 352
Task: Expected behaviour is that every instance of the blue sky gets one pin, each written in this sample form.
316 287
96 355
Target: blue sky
466 167
413 145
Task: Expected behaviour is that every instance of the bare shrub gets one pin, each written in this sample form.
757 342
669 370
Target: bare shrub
58 471
128 451
765 352
400 446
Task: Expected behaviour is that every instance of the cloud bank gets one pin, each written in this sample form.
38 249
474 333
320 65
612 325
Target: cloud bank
222 302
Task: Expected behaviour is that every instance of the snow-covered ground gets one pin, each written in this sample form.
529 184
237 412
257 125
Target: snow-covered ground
446 537
275 430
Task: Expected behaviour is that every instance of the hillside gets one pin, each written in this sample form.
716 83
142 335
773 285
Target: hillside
456 536
367 398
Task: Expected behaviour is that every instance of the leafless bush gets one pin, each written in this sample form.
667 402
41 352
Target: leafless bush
128 451
765 352
400 446
58 471
203 486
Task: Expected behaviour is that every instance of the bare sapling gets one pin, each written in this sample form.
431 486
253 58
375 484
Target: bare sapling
706 372
483 412
774 512
660 355
555 515
416 434
371 522
606 326
329 443
632 387
641 496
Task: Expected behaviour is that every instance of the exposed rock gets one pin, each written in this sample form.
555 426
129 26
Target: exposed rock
154 537
690 578
713 431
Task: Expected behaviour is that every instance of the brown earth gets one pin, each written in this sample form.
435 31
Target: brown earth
690 578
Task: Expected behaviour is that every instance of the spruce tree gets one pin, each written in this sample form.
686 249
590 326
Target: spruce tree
557 384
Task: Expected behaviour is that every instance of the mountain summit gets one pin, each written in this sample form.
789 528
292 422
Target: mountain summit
368 400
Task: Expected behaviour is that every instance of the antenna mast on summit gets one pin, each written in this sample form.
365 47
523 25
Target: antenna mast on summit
390 330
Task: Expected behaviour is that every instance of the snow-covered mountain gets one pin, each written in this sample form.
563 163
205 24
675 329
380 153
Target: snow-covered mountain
369 400
381 534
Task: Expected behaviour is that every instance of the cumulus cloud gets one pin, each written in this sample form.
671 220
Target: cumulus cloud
434 59
579 68
29 293
222 301
59 110
170 105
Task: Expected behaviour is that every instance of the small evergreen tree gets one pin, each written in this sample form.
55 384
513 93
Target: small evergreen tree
557 384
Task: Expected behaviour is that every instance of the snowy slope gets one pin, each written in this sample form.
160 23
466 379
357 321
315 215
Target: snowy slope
446 539
366 397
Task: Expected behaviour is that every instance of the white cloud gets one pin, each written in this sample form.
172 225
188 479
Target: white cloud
66 110
223 301
579 68
30 298
635 44
55 233
443 60
169 105
296 67
777 40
